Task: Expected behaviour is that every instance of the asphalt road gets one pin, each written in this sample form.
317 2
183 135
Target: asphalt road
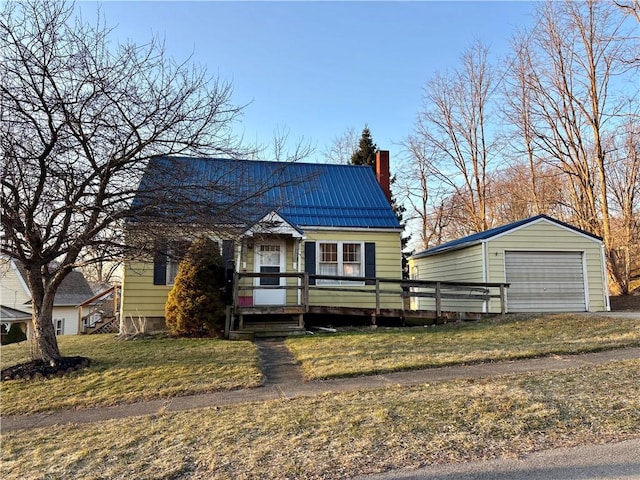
612 461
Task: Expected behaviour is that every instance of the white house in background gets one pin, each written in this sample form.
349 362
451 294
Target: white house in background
550 265
14 294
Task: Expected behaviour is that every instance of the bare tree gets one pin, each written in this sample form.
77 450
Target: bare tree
624 186
631 7
517 109
454 124
343 147
427 203
281 150
511 198
80 119
579 51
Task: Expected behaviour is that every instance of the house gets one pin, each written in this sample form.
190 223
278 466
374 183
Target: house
550 266
275 218
15 295
12 318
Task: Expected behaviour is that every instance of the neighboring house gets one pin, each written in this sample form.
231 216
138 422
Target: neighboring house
314 218
15 295
11 317
550 266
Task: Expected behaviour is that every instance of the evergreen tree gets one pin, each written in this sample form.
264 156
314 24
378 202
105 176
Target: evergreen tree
366 155
195 306
366 152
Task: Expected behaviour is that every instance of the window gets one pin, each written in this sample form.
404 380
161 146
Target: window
166 260
172 268
269 258
58 324
341 259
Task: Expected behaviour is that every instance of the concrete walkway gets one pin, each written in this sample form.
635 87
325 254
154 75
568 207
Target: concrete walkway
283 380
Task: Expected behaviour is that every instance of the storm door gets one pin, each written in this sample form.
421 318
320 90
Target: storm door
269 258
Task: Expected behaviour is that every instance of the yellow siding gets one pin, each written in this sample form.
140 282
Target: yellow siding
545 236
140 297
388 265
467 264
457 266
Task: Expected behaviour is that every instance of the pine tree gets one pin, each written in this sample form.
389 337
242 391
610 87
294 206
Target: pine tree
195 306
366 155
366 152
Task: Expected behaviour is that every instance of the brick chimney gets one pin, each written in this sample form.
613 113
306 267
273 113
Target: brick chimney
382 172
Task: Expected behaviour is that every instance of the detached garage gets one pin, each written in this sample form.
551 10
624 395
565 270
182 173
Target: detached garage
551 266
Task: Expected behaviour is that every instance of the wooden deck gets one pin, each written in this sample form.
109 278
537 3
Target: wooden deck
250 321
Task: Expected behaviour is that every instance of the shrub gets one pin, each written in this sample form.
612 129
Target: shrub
195 306
14 335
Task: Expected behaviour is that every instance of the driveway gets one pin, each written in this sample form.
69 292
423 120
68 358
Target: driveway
632 315
591 462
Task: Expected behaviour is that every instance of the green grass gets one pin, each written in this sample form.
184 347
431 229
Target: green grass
130 371
511 337
343 435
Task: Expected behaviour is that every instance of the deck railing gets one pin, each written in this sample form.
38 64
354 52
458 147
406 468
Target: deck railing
377 288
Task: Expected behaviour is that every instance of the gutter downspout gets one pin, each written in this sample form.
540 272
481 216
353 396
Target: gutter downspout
605 280
299 269
485 306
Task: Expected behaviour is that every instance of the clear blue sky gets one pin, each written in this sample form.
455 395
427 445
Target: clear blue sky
319 68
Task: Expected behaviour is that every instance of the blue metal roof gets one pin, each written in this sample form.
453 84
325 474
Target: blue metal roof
305 194
476 238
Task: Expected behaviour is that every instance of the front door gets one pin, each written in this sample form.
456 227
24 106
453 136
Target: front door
270 258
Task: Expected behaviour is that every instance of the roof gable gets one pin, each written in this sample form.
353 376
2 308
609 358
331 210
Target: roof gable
73 290
493 233
9 315
244 191
273 223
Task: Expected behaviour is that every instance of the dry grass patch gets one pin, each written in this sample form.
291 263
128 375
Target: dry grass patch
343 435
131 371
506 338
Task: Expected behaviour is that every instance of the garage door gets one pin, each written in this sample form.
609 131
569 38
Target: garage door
545 282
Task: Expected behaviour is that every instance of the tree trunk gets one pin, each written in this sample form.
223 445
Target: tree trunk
44 334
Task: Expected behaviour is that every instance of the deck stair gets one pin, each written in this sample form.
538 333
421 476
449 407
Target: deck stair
105 325
283 327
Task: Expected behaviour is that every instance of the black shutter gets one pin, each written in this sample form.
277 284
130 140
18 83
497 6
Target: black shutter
160 264
228 247
370 262
310 260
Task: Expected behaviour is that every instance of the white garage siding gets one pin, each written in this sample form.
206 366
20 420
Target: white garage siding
545 281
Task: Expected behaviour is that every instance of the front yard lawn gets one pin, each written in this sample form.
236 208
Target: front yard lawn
130 371
367 351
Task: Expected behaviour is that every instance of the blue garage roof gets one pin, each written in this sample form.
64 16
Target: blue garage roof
243 191
487 234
